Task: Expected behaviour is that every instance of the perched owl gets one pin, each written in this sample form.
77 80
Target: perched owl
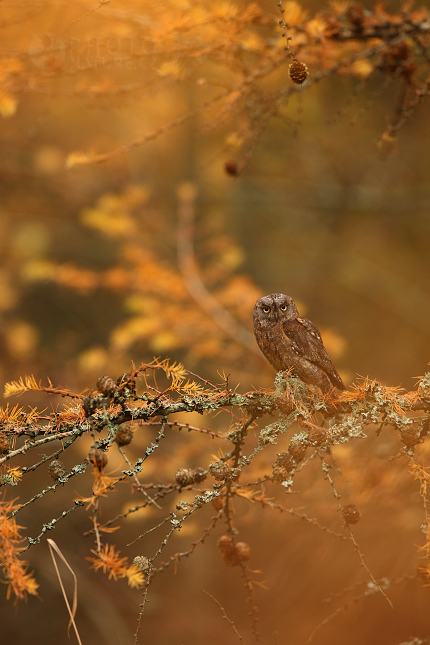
290 342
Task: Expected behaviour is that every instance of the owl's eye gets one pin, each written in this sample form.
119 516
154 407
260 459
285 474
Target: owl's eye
283 307
266 309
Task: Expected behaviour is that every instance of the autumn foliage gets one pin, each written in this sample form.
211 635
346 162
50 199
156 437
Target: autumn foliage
256 464
150 443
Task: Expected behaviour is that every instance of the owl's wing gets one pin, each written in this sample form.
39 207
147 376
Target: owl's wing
311 328
306 340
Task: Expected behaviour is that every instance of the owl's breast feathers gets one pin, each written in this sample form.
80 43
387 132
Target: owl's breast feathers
306 341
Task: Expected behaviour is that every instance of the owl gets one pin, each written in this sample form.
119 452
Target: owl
290 342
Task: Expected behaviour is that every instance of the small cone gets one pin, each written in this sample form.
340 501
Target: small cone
298 72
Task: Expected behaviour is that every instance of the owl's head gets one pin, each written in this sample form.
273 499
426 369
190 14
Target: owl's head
275 307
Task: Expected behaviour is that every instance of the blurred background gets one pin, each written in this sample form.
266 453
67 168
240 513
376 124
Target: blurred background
308 203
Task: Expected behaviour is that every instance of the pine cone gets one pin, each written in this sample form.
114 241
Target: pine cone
298 72
225 544
188 476
233 554
351 514
56 469
243 551
143 563
284 464
106 385
231 168
184 477
98 458
316 435
219 470
124 435
297 450
410 436
4 443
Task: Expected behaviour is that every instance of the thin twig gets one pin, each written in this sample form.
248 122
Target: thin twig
224 615
136 479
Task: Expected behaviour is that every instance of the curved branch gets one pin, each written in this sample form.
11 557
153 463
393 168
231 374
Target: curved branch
188 267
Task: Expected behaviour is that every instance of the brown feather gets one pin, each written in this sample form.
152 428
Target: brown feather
290 342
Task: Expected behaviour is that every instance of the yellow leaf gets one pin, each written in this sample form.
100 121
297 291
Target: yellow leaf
294 14
234 140
253 42
112 224
362 68
21 339
19 387
164 341
176 370
35 270
8 104
225 10
94 359
136 578
15 474
132 330
172 68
